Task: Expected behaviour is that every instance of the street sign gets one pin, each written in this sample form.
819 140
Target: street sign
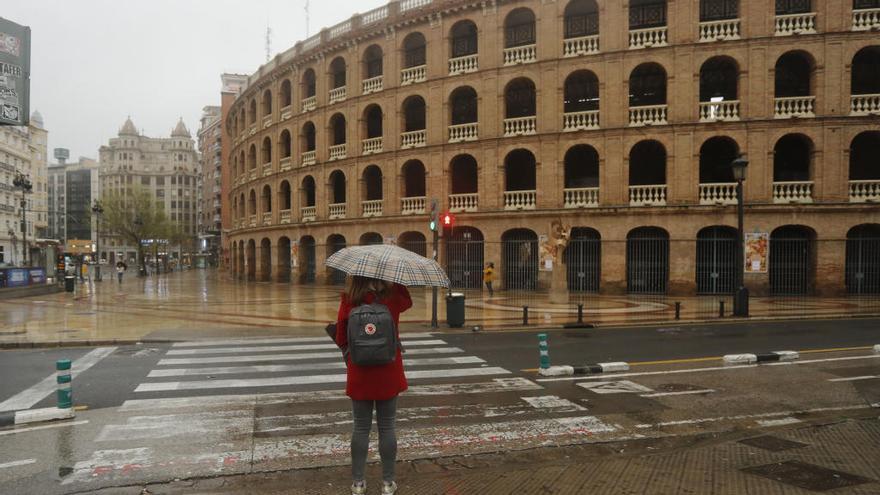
15 73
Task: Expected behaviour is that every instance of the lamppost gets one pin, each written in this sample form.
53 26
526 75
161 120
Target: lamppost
741 297
142 266
98 210
22 182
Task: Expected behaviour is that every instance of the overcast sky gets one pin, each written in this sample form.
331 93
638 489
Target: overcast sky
94 62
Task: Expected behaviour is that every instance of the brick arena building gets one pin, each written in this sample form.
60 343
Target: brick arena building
620 119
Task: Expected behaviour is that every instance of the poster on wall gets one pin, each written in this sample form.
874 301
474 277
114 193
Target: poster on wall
757 246
294 253
15 68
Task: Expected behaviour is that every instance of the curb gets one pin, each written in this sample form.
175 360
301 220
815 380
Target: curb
84 343
735 359
587 369
12 418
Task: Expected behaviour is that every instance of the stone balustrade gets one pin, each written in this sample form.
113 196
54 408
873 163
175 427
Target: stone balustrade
520 200
412 206
286 113
464 132
787 25
267 218
584 45
467 202
865 19
310 103
650 195
463 65
371 145
252 130
372 85
252 221
727 29
412 75
865 105
581 197
797 106
864 191
647 115
337 152
580 121
336 211
793 192
718 193
267 169
309 158
337 95
267 121
719 111
308 213
520 55
520 126
413 139
285 164
284 216
252 174
647 38
406 5
372 208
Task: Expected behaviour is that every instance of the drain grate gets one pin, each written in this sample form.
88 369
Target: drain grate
771 443
806 476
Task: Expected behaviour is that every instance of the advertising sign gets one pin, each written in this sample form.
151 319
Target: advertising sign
757 251
17 277
38 276
15 72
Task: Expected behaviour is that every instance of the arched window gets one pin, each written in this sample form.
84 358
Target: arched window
792 260
373 121
863 259
792 157
284 259
719 77
519 171
308 259
793 75
463 39
581 19
414 50
371 238
252 157
372 178
337 73
716 155
414 114
373 62
866 71
242 207
266 151
337 187
789 7
464 175
308 136
581 167
284 195
644 14
267 102
519 99
647 261
413 179
582 260
581 92
284 142
253 111
337 129
308 189
647 85
647 164
519 28
286 93
718 10
308 82
463 106
252 202
863 164
413 241
266 199
716 260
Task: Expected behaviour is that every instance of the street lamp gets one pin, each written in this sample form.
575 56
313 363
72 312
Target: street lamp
98 210
741 297
22 182
142 266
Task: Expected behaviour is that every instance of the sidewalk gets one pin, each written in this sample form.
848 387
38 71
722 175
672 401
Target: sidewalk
197 304
839 455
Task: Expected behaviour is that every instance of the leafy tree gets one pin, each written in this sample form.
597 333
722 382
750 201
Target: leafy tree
135 217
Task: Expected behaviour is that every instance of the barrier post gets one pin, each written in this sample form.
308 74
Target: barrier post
544 350
65 384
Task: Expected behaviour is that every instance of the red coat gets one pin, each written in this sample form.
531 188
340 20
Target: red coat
374 382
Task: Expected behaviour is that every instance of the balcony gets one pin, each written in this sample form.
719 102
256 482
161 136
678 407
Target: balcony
467 202
337 152
647 38
582 197
412 206
286 164
284 216
464 132
718 194
647 115
252 174
727 29
267 218
337 95
798 106
414 139
309 158
371 85
865 19
309 104
652 195
371 145
252 130
719 111
372 208
286 113
520 200
864 191
520 55
463 65
308 213
267 121
336 211
787 25
520 126
793 192
414 75
580 121
585 45
267 169
865 105
252 221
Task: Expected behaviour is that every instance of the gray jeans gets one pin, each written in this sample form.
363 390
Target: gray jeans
362 411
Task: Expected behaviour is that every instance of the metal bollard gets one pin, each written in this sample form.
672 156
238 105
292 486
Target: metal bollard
721 309
544 350
525 315
65 384
677 310
580 313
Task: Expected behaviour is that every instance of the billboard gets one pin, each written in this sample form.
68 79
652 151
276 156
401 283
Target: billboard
15 73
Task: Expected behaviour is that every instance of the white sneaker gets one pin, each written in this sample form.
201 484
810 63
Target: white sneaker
389 488
359 488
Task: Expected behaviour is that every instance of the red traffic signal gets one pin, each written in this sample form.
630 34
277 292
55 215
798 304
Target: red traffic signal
448 220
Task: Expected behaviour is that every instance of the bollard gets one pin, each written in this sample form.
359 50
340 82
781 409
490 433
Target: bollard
721 309
677 310
580 313
65 384
543 350
525 315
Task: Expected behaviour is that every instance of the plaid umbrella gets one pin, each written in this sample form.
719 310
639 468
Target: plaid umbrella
391 263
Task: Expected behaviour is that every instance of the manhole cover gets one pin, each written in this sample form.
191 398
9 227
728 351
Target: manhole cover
771 443
678 387
806 476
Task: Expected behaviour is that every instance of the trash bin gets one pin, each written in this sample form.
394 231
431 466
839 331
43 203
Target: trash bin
69 283
455 309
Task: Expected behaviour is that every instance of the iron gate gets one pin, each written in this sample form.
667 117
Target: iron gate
464 263
337 277
582 263
647 261
791 263
863 262
519 253
309 262
716 260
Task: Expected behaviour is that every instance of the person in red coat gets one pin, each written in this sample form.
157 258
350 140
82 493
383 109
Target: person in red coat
373 387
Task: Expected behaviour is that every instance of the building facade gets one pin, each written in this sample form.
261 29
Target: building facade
72 190
619 119
210 154
231 85
166 167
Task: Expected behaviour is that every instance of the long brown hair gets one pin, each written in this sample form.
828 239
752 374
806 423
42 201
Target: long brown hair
358 287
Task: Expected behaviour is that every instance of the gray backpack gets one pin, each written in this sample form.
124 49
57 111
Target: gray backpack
372 339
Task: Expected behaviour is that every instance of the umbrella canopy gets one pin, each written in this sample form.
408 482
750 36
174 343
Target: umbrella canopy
391 263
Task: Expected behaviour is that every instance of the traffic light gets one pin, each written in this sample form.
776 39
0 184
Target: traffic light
448 220
434 224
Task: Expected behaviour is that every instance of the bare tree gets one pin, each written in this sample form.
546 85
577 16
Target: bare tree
136 217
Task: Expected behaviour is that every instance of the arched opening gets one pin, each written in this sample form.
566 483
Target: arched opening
647 164
789 7
267 102
242 207
252 157
519 99
866 71
719 79
251 261
464 175
307 259
716 155
581 18
519 28
337 186
581 167
413 179
519 249
284 143
241 261
284 195
266 199
337 129
792 260
266 151
308 82
371 239
792 157
335 243
265 260
647 85
283 259
373 62
793 75
373 121
863 163
582 260
716 260
413 241
252 203
337 73
463 39
308 136
645 14
718 10
252 111
863 259
647 260
519 171
308 188
414 50
581 92
463 106
414 114
372 178
464 258
286 98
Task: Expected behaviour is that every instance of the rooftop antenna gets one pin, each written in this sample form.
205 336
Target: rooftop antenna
306 9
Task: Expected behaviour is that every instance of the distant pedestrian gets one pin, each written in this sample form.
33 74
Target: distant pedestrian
375 386
120 269
489 277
